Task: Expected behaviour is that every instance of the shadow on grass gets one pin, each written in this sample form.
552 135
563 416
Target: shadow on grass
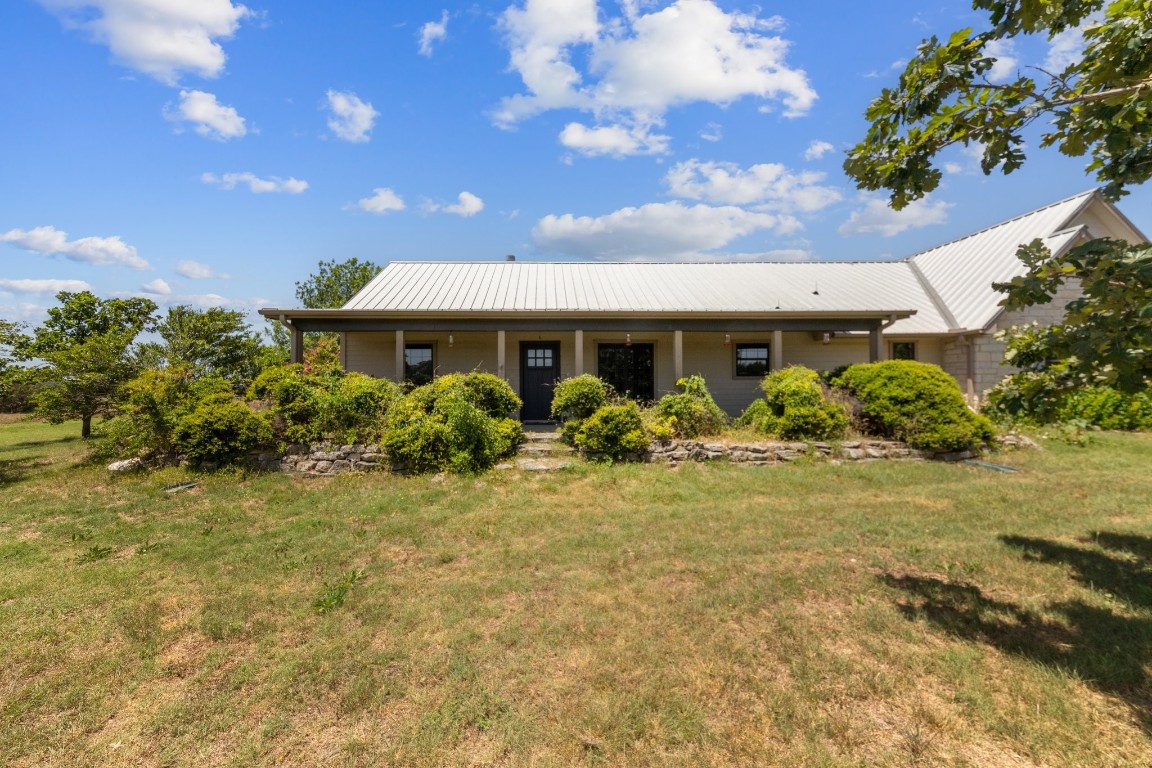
14 470
1106 647
41 443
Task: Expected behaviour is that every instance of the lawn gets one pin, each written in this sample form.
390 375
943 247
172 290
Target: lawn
875 614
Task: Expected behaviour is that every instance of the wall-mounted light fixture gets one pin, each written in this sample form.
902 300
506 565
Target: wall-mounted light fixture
727 339
627 339
827 338
451 341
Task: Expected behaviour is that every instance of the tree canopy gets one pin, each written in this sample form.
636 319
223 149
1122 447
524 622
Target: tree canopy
335 282
211 341
1100 103
82 316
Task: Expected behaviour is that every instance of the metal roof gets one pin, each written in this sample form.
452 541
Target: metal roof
945 289
644 287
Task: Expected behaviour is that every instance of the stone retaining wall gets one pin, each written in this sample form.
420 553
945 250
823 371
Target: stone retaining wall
323 459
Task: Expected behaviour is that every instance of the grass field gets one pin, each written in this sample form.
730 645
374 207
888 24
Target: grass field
883 614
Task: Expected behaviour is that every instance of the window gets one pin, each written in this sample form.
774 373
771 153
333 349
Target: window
418 364
538 357
903 350
752 360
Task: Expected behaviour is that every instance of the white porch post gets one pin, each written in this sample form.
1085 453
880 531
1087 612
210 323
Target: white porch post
578 367
777 350
399 355
501 351
678 354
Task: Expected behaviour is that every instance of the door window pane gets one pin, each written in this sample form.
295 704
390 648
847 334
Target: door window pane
629 369
418 364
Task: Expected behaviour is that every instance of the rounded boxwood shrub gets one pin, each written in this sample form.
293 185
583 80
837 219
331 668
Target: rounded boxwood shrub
578 397
613 431
691 412
796 406
915 402
456 423
220 429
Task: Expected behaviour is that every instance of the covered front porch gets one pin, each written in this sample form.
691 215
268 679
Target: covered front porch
640 355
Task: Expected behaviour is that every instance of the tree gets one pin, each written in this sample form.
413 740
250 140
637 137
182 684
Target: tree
13 377
1105 337
1100 103
335 283
212 341
85 345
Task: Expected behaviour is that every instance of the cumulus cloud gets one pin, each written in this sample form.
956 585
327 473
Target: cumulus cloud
712 132
157 287
877 218
160 38
255 183
1064 49
666 230
208 117
1004 51
433 31
817 149
383 200
352 118
639 65
49 241
769 185
44 286
467 205
194 270
614 140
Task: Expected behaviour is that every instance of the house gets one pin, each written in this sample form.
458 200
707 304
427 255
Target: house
641 326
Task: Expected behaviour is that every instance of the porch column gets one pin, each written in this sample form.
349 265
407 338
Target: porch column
875 345
578 367
344 351
777 350
399 355
501 351
297 345
678 354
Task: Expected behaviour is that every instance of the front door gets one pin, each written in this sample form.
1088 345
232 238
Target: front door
539 370
629 369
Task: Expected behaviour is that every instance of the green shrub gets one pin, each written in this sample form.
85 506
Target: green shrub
1034 397
578 397
691 412
915 402
796 406
220 429
449 425
153 403
613 431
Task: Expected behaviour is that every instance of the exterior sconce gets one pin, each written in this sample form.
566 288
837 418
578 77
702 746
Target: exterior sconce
827 338
627 339
727 339
451 341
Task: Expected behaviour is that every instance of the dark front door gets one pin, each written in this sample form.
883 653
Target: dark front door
629 368
539 370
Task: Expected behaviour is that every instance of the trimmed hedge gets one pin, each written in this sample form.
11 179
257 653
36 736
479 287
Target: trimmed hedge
915 402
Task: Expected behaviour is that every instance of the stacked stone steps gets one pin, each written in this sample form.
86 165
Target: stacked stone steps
541 452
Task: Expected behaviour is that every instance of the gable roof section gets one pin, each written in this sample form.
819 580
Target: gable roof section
960 273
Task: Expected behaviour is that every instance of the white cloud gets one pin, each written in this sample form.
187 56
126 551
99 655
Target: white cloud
158 287
1004 51
614 140
383 200
712 132
352 117
44 286
50 241
877 218
209 117
255 183
768 184
667 230
642 64
161 38
194 270
433 31
468 205
1064 49
817 149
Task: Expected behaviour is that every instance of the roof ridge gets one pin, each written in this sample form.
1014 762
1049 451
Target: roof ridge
1026 214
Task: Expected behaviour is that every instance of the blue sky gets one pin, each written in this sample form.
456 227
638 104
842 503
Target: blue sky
213 153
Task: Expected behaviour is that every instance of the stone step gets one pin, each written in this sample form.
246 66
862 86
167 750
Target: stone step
532 464
544 449
541 437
